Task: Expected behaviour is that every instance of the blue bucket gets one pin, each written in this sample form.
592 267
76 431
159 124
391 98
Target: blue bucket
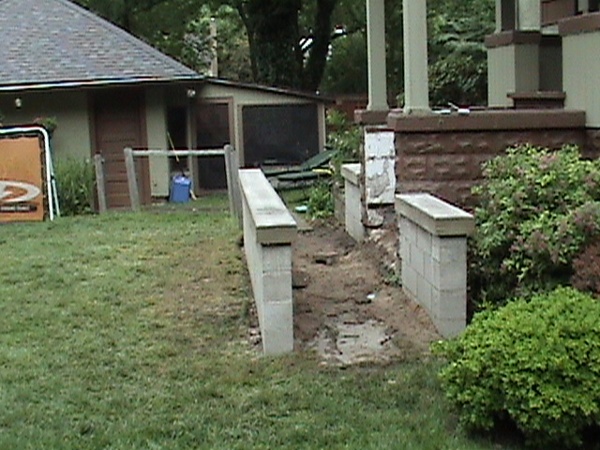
180 189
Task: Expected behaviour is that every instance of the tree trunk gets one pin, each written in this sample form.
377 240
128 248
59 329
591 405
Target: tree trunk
315 66
273 32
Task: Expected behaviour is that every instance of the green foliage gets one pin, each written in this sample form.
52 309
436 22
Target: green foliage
537 209
75 179
535 362
458 72
320 201
346 71
345 137
586 269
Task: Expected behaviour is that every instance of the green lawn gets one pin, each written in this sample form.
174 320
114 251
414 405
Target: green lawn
128 331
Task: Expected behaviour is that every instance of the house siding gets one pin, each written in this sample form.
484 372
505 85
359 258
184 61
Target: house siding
72 136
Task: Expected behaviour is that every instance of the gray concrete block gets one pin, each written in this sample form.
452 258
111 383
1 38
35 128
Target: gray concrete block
276 258
277 329
277 287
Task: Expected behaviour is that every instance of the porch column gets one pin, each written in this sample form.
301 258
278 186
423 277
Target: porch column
376 56
529 15
416 81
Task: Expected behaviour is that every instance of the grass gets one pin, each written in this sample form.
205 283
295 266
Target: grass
128 331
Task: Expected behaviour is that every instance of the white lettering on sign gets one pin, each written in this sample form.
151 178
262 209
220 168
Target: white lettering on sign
17 192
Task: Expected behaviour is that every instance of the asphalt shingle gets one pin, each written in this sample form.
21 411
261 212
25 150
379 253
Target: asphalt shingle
54 41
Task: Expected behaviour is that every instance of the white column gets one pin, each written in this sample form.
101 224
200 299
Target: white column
498 16
416 79
529 15
376 56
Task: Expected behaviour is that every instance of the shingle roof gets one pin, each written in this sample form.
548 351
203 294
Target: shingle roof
56 41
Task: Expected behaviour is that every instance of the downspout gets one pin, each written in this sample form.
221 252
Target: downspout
50 181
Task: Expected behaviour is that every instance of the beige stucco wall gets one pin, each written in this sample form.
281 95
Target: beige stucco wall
156 126
72 136
581 66
512 68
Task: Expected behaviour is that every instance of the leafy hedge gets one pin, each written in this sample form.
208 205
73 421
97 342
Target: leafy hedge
75 180
534 362
537 210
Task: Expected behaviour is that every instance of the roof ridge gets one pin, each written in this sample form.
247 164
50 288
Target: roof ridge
140 43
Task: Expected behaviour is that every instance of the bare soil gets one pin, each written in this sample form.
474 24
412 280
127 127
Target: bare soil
348 306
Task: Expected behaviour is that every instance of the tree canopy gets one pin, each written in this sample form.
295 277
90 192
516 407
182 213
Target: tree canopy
312 44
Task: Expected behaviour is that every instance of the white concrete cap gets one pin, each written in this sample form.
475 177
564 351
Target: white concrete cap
435 215
274 223
351 172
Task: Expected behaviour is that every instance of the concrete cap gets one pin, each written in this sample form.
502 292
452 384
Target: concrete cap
351 172
274 223
435 215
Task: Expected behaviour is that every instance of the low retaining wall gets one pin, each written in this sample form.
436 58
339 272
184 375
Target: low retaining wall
353 208
269 230
433 247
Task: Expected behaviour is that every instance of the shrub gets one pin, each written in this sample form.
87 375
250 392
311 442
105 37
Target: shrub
537 209
535 362
586 267
75 181
345 137
320 200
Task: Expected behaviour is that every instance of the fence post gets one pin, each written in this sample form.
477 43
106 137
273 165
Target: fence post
232 166
134 195
100 186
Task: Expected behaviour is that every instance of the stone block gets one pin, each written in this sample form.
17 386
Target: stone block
277 287
450 328
276 258
380 181
277 329
379 144
449 249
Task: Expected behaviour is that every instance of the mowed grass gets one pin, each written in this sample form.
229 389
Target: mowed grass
128 331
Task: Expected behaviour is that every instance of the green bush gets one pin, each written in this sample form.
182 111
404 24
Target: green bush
537 209
345 137
75 181
536 363
320 201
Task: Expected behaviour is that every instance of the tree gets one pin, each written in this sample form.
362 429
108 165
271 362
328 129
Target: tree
274 36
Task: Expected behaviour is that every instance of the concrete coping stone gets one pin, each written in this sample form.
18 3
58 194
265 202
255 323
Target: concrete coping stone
351 172
273 222
435 215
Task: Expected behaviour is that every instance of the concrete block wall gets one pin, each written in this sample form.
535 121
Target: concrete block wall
269 230
433 247
353 201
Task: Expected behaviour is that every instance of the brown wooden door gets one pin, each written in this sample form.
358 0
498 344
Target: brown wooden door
119 123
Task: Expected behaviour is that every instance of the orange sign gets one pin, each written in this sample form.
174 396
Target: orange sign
21 179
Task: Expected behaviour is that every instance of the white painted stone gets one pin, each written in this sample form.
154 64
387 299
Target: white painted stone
353 204
379 143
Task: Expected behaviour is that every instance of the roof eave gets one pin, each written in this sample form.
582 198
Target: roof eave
80 84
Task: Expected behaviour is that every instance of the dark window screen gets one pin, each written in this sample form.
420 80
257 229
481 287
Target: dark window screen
212 132
284 133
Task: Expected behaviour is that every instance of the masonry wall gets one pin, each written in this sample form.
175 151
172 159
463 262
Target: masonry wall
443 156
